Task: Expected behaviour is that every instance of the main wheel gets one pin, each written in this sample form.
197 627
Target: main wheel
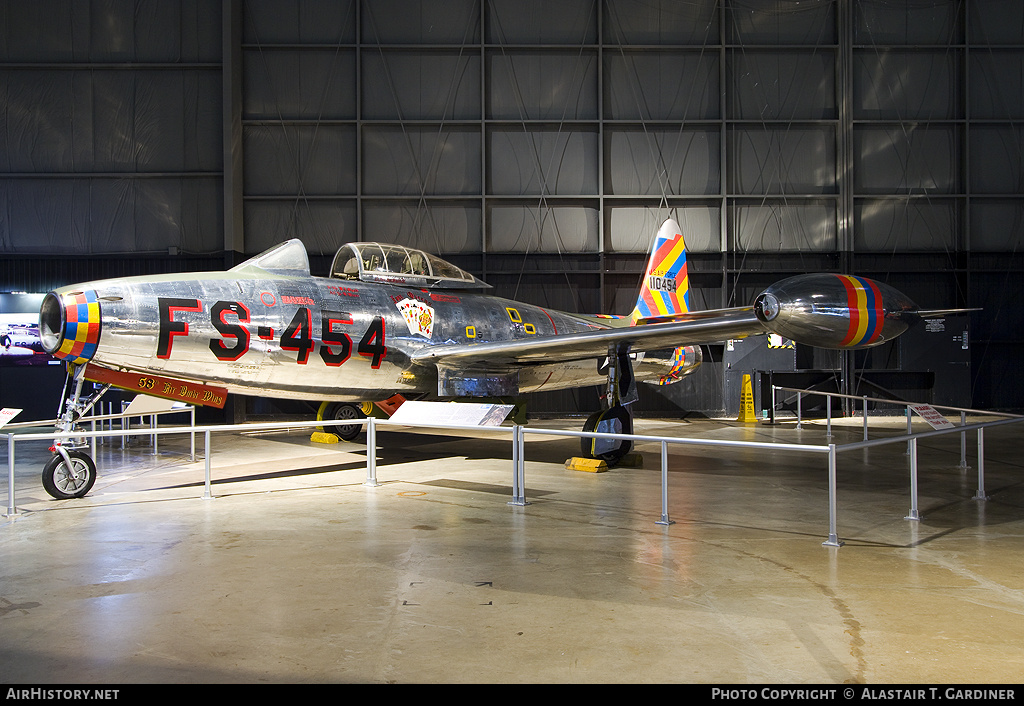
344 410
614 420
62 482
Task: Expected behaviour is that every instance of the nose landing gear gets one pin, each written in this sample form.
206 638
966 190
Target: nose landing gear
70 472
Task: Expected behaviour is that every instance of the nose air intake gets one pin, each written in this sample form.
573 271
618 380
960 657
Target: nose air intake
69 325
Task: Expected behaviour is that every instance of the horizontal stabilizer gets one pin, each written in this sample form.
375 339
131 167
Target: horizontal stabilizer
938 313
686 316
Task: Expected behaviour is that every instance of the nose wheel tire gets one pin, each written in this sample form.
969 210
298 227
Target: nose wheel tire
63 482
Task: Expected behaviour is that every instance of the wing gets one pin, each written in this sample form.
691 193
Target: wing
705 327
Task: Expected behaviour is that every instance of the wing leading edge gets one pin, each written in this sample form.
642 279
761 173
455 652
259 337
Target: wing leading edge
706 327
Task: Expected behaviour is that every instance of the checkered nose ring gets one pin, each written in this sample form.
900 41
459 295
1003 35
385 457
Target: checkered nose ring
69 325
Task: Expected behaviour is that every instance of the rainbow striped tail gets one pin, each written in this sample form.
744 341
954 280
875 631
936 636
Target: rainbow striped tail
665 290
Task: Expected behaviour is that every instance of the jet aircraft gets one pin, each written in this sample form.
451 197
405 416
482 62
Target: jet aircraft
19 339
392 320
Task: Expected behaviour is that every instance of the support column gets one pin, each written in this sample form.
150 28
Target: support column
231 100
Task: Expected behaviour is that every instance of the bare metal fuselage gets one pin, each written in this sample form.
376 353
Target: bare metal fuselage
324 339
392 319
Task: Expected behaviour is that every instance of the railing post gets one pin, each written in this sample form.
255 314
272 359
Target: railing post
865 417
914 515
664 484
518 467
515 464
207 495
828 416
371 453
963 443
192 457
980 495
833 537
522 466
909 430
12 508
799 397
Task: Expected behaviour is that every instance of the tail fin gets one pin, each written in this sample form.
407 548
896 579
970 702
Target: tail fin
665 290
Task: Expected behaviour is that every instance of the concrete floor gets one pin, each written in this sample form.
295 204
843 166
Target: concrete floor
298 572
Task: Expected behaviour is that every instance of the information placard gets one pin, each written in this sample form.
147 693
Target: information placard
932 416
7 414
463 414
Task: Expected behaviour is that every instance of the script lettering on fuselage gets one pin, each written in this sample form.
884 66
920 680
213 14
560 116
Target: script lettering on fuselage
340 291
228 318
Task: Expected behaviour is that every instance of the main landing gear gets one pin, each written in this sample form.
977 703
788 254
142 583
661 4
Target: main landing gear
616 419
349 411
343 411
70 472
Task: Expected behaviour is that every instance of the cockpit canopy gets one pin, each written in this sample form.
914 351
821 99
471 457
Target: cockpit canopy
396 264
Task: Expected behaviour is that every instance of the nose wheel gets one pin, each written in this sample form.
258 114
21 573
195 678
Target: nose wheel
69 474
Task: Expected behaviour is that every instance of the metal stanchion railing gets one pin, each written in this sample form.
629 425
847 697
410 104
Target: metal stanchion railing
521 467
516 494
371 453
207 491
518 453
12 508
807 448
908 412
914 514
980 495
664 486
828 416
963 442
910 427
833 534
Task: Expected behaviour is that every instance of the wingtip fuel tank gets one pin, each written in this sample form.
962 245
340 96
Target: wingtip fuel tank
835 311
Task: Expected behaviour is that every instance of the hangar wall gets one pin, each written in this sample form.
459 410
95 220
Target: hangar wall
537 144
